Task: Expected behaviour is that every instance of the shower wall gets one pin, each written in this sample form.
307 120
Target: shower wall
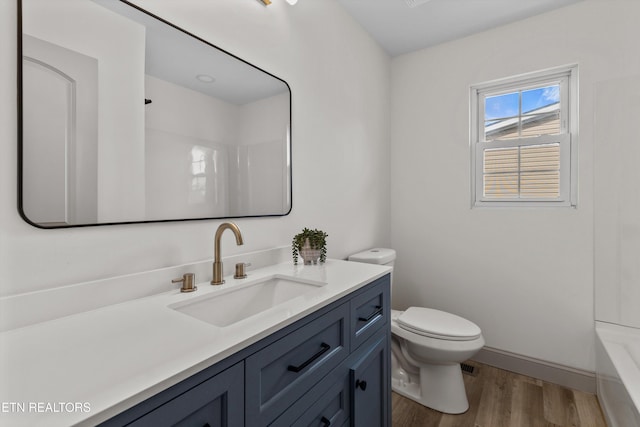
212 158
188 140
261 182
617 201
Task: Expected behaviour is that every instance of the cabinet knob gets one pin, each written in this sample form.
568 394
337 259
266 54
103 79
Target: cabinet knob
362 385
326 422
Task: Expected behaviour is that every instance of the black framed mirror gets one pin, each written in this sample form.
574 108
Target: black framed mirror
126 118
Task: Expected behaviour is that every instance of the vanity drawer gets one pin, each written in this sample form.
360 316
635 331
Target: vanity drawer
331 408
279 374
370 310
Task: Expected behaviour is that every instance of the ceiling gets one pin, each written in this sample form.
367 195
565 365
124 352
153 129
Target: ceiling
175 56
402 26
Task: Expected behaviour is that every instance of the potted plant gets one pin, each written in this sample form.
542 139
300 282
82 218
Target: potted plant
310 245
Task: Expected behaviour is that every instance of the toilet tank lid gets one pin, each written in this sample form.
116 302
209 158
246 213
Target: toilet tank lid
375 256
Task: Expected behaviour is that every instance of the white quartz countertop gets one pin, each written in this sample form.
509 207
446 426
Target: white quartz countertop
85 368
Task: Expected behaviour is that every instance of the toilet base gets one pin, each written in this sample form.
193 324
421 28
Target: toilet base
439 387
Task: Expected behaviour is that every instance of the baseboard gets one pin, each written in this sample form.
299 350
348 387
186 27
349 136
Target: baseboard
554 373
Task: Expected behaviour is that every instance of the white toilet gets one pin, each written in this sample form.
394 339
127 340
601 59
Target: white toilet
427 348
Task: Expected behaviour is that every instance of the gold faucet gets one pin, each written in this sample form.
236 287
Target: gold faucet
217 263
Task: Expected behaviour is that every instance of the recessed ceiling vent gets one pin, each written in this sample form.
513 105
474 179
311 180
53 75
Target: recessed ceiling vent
414 3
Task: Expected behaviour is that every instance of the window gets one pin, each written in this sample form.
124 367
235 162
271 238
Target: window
523 131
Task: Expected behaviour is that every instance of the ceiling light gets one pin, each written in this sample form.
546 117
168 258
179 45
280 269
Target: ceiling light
205 78
414 3
291 2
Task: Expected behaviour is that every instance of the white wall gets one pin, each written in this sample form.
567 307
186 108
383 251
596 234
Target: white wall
525 276
120 59
617 201
340 84
181 111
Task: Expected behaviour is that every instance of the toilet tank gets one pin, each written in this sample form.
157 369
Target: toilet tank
381 256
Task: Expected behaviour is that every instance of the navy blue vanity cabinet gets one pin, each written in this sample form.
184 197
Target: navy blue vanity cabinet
357 392
216 402
331 368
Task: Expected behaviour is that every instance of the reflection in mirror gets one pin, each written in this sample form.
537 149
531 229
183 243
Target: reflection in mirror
126 118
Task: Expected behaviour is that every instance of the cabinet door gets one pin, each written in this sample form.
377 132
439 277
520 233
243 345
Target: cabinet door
370 398
217 402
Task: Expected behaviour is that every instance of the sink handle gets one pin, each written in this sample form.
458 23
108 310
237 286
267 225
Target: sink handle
324 348
188 282
240 273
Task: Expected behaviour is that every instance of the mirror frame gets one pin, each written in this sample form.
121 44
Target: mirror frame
20 132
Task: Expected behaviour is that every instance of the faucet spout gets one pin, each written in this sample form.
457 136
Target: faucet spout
217 257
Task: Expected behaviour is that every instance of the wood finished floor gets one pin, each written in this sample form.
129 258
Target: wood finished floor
500 398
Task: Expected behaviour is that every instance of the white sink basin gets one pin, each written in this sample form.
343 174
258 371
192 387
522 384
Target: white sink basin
242 301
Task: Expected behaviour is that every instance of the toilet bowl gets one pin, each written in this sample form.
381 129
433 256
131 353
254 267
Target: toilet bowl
427 347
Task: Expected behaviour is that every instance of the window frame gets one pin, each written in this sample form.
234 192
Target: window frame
567 77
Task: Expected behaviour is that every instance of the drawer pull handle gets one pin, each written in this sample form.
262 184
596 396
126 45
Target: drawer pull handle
372 315
326 422
362 385
323 350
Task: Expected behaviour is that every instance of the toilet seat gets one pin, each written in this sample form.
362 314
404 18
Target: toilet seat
438 324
